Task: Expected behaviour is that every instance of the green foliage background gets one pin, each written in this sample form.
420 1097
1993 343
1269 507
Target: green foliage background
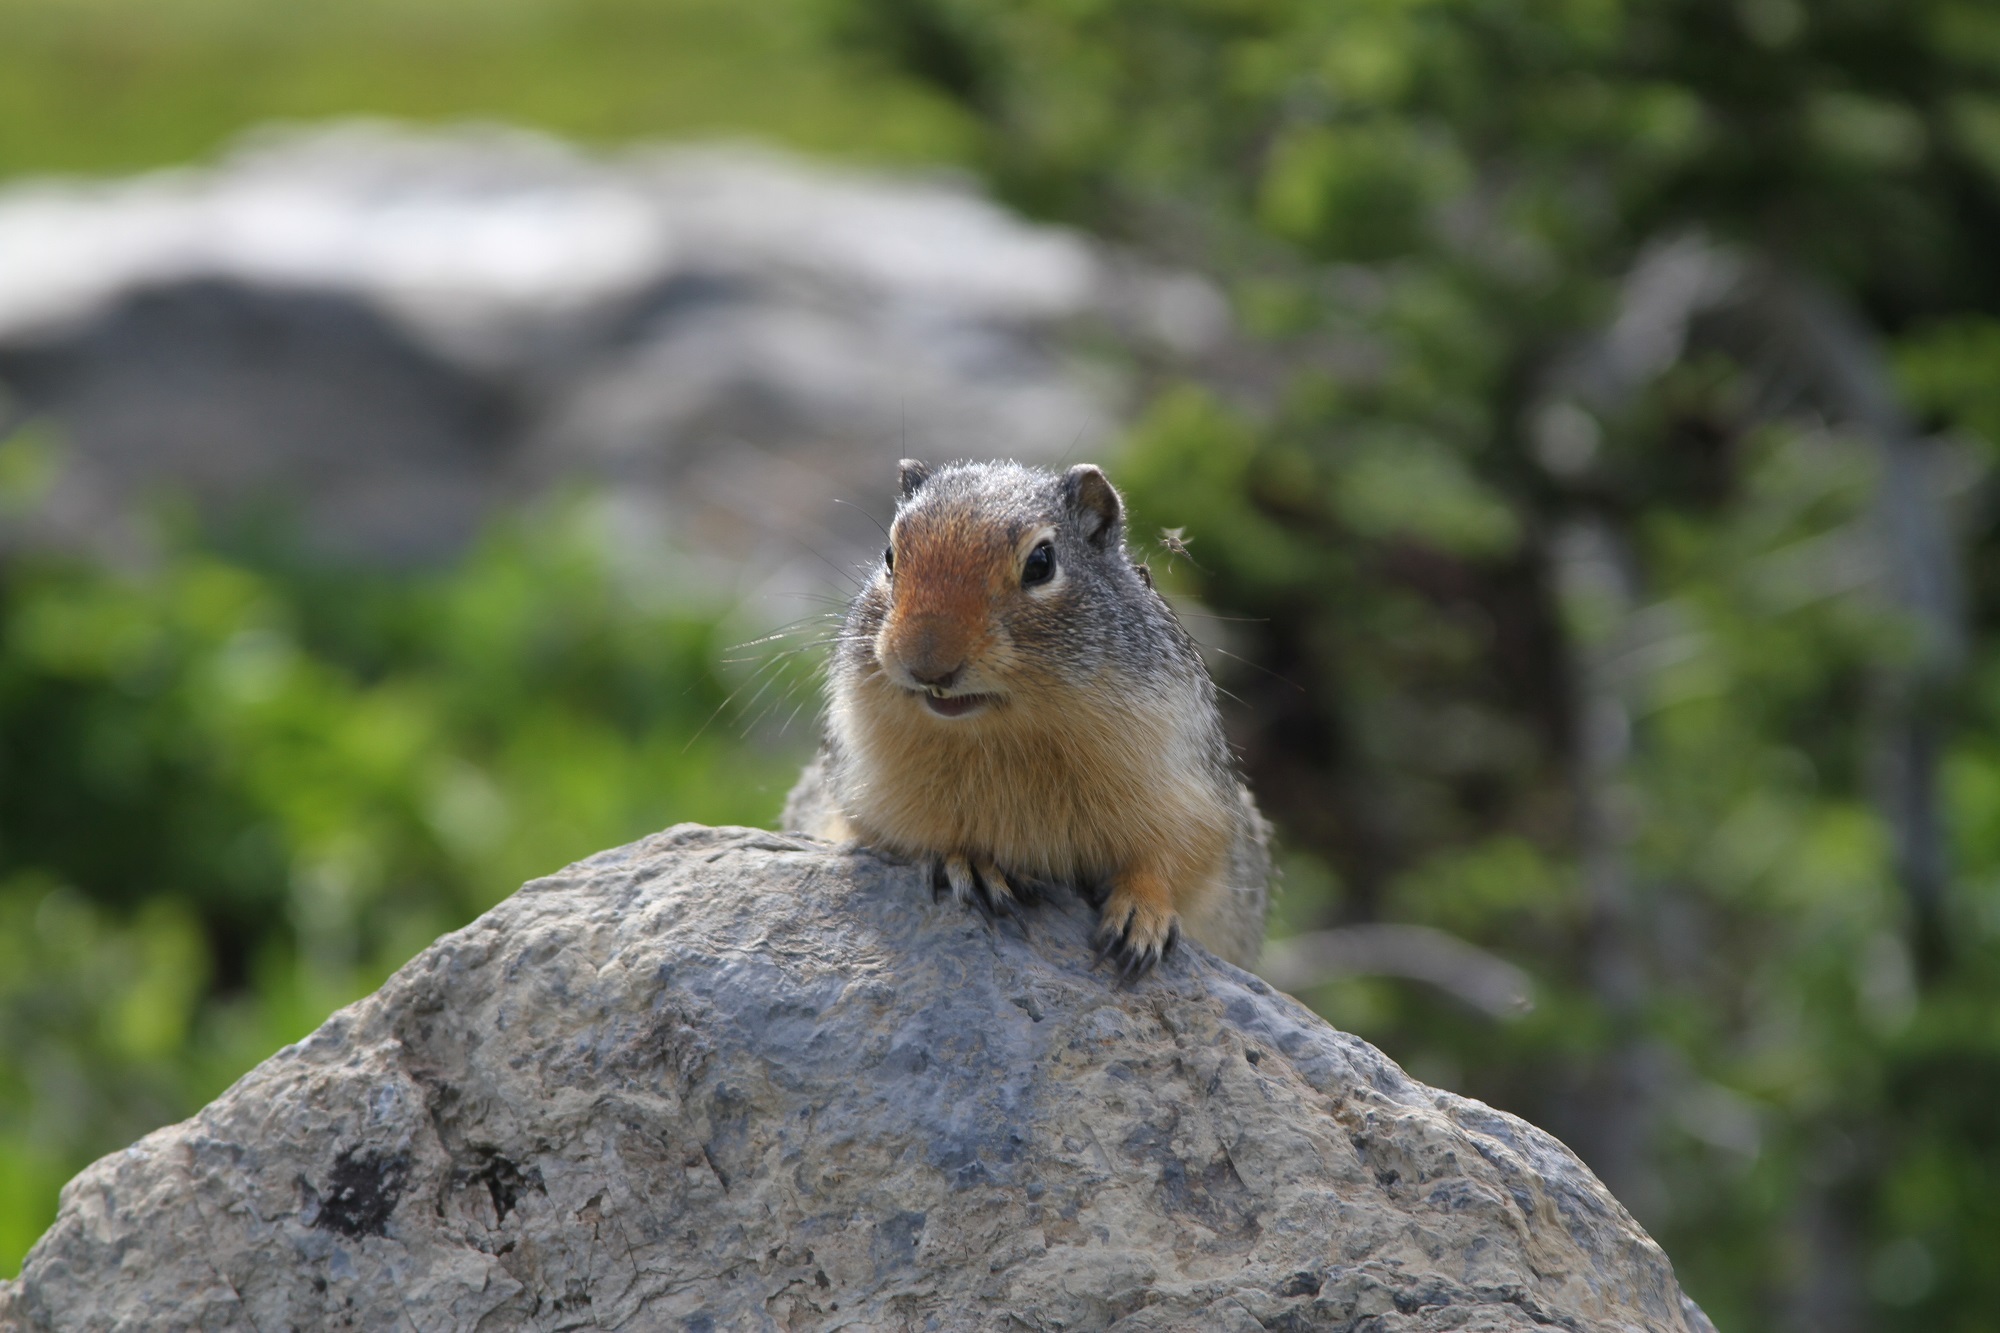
237 793
234 791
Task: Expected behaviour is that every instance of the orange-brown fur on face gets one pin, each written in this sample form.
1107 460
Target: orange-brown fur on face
948 577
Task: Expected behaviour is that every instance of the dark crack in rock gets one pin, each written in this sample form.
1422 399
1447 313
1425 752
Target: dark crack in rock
723 1079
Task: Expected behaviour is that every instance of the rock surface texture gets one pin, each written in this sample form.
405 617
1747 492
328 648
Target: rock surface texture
723 1079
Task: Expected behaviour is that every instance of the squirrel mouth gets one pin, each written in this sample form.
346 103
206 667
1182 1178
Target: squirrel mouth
956 705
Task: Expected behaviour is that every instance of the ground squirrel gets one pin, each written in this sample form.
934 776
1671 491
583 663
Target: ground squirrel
1011 702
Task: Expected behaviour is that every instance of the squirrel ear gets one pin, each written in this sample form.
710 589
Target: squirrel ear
1091 494
912 474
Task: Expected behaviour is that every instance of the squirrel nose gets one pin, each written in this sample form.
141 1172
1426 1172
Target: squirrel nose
932 650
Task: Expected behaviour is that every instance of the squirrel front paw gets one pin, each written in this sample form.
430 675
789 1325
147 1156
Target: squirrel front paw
980 884
1137 928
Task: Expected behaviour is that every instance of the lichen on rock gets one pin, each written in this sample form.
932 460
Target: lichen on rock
724 1079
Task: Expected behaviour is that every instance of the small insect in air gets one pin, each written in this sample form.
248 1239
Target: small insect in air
1177 541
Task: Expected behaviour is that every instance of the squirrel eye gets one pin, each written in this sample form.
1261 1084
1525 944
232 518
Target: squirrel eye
889 558
1041 566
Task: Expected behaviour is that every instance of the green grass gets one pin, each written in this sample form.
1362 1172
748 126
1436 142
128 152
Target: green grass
119 85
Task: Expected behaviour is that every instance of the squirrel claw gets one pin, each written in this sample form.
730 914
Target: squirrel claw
1132 948
966 891
993 885
1030 892
980 885
1002 897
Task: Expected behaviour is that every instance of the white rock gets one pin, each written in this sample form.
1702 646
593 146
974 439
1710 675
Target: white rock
378 335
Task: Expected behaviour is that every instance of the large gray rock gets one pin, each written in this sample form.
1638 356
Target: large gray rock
724 1079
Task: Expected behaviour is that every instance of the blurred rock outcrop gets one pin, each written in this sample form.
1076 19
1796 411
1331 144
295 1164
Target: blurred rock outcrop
380 335
726 1079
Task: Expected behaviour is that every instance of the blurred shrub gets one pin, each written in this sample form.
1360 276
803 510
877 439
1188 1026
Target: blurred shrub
1633 696
236 793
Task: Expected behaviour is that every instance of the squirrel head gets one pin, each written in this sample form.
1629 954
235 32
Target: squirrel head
1000 585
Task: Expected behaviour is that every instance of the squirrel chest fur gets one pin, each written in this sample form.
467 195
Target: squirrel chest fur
1010 701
